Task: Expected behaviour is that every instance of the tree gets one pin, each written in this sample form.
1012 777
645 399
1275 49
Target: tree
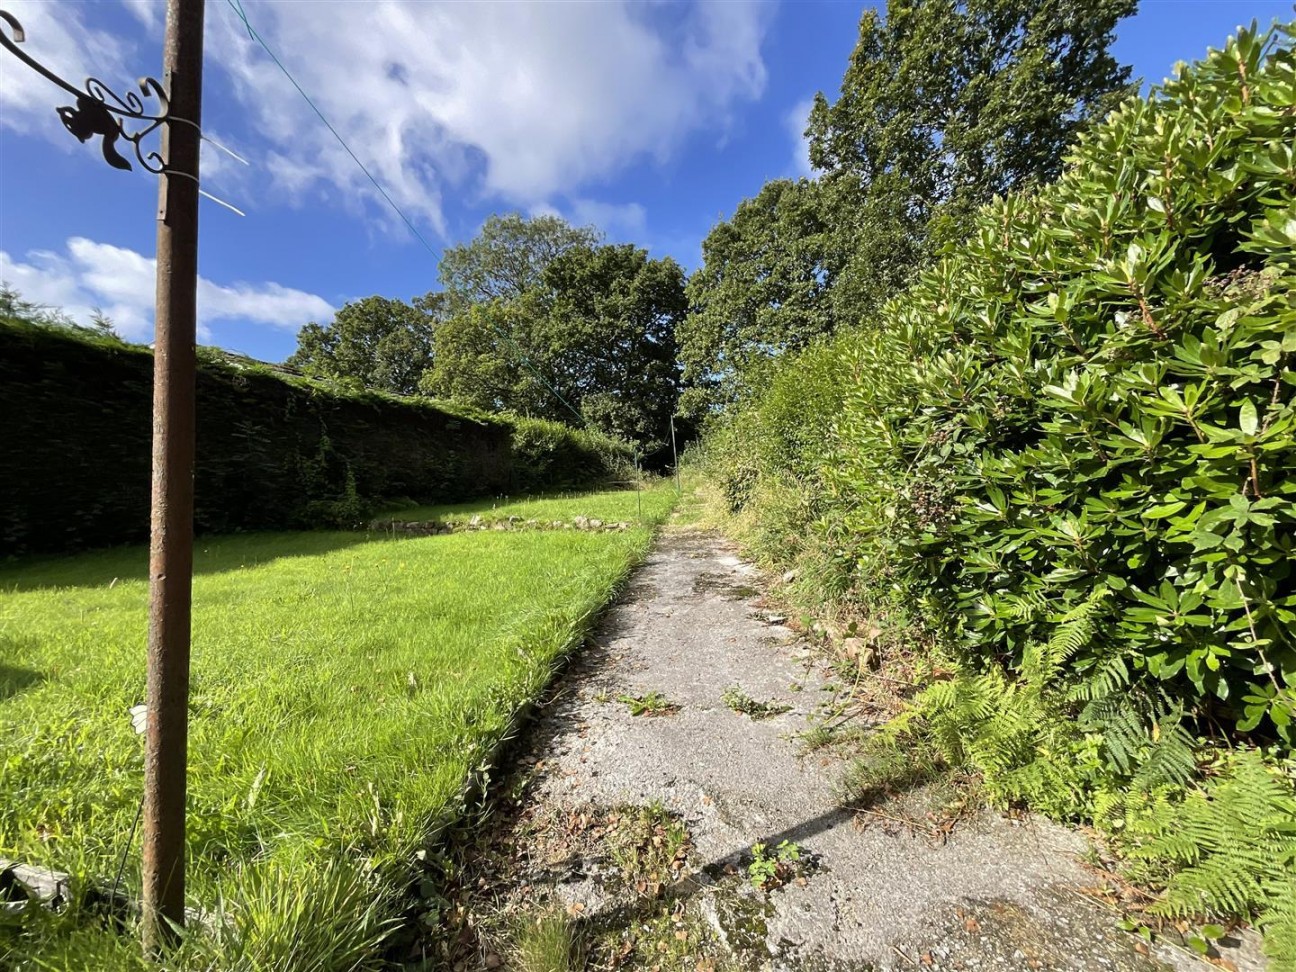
946 104
611 333
509 256
592 340
375 342
762 287
101 323
487 357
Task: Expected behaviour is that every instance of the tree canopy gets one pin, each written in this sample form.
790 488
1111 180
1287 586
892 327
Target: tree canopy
948 103
944 105
592 341
536 317
761 286
376 342
508 256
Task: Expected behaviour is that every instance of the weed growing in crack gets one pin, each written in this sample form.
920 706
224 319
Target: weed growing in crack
744 704
816 738
549 943
770 869
652 703
649 845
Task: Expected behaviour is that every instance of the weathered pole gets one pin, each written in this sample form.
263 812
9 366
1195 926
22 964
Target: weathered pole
171 548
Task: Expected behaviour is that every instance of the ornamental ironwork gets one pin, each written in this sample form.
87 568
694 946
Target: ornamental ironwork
99 111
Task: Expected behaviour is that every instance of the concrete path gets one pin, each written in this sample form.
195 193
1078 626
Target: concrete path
997 894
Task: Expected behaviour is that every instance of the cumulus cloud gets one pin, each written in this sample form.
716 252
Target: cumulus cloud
507 104
520 103
120 282
617 221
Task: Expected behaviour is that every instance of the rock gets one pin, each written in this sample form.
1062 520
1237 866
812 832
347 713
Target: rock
515 519
789 576
859 650
476 521
558 524
533 523
596 524
493 960
581 523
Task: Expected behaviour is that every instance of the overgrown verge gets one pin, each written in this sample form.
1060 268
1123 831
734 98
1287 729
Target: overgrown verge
1061 463
274 451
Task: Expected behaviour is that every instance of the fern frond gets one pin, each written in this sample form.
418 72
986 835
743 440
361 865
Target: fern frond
1234 844
1112 675
1278 920
1170 759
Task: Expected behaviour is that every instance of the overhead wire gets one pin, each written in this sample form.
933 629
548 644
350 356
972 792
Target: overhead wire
237 7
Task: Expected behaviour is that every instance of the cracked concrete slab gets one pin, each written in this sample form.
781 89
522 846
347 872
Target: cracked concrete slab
997 894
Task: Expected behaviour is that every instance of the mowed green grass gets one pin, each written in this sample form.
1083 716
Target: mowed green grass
610 507
345 687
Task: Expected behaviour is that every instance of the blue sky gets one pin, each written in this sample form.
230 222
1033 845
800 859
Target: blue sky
650 120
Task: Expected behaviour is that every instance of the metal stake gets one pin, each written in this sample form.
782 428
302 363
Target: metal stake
675 455
171 550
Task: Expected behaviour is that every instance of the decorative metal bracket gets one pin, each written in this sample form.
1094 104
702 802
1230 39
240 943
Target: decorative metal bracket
99 111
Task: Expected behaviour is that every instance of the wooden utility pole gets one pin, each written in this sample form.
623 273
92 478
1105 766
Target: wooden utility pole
171 549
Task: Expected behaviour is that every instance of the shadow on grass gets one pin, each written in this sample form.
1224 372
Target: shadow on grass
14 678
212 555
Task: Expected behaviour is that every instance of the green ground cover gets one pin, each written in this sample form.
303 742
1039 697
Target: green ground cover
345 688
611 507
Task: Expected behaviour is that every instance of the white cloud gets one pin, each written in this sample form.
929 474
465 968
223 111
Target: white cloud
58 38
616 220
120 282
515 102
795 120
150 13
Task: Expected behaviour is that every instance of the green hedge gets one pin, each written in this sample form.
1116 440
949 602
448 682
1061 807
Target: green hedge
1090 402
274 451
549 455
1065 461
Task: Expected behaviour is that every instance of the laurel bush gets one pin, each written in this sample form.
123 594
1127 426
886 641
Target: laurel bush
1069 451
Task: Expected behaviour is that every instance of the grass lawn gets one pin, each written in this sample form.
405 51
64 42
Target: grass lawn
345 688
623 505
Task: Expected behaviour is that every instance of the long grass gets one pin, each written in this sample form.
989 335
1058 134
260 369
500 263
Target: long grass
345 688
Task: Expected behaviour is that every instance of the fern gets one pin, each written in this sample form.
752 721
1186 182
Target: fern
1233 847
1278 920
1170 759
1120 756
1109 676
1143 738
